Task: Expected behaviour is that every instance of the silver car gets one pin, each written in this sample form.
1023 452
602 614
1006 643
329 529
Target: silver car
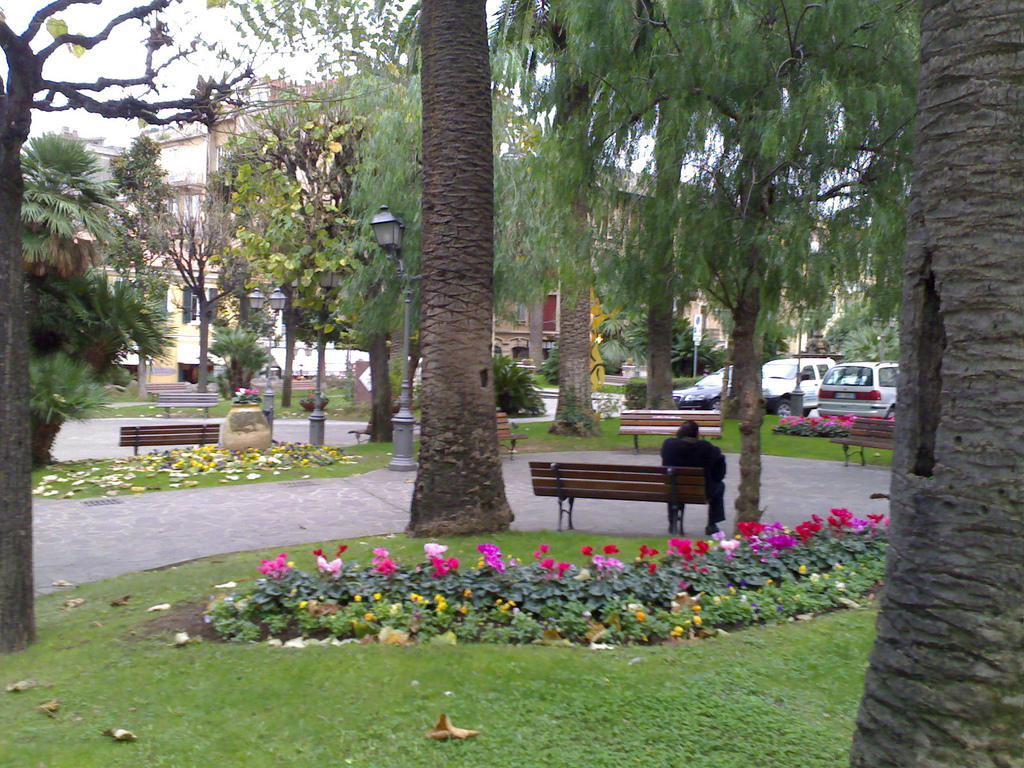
859 389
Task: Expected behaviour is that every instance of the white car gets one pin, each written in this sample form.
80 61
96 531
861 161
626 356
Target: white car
859 389
779 379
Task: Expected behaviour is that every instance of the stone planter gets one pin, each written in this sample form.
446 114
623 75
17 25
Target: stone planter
307 403
245 427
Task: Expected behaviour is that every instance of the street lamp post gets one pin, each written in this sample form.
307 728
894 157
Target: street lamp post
317 419
388 231
277 302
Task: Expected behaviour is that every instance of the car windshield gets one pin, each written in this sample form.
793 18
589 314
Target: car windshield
779 370
711 380
850 376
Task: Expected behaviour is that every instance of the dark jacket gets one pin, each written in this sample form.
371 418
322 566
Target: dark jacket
693 452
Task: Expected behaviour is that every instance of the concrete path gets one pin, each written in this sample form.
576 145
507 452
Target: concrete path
86 540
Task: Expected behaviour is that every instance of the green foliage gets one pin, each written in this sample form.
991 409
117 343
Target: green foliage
63 388
514 390
636 393
814 426
244 353
872 342
549 368
63 198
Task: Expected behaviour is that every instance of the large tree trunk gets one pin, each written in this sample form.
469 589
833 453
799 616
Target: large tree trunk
290 318
945 686
536 320
17 616
202 372
43 436
746 349
459 488
574 414
659 349
380 389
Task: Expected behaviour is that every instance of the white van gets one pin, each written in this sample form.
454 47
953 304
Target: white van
779 379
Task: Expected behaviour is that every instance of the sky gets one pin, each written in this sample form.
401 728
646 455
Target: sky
124 56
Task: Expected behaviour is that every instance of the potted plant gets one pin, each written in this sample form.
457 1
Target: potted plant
245 426
308 403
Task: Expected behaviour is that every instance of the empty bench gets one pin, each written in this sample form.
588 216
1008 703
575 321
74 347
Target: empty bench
505 434
866 432
204 400
304 385
166 386
673 486
169 434
667 423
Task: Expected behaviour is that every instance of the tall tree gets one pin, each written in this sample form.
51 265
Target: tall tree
945 685
24 86
459 487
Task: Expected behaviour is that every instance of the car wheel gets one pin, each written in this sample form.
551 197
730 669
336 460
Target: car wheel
782 409
716 404
807 412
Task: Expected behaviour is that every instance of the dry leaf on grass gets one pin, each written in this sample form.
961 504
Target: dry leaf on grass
183 638
160 607
120 734
225 585
73 602
444 730
391 636
121 600
63 583
596 631
21 685
50 707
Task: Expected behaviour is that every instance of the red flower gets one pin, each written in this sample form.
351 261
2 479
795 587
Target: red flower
562 568
702 547
610 549
544 548
587 551
749 529
318 553
652 567
341 550
646 551
547 563
876 519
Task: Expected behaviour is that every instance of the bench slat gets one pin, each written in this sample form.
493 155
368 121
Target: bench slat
505 433
867 432
169 434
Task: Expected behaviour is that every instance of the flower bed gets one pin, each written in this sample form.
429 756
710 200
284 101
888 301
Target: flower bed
181 467
814 426
766 574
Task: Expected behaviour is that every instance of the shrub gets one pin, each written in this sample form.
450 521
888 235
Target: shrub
514 390
549 368
766 575
814 426
636 393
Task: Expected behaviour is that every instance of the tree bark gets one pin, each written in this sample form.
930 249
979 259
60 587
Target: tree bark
746 349
536 320
574 414
17 613
380 392
659 350
459 488
945 685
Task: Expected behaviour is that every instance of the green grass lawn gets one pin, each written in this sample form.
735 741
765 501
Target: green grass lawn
781 695
339 407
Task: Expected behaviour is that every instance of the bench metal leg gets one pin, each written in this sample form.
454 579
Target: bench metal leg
562 510
675 518
511 450
636 445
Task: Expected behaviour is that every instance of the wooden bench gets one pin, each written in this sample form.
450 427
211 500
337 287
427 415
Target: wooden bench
667 423
867 432
505 434
304 385
166 386
673 486
204 400
169 434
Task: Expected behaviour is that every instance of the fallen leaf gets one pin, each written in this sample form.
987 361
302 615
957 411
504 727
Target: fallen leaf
121 600
298 642
682 601
596 631
448 638
21 685
183 638
634 660
551 637
848 603
444 730
63 583
601 647
160 607
225 585
120 734
49 708
73 602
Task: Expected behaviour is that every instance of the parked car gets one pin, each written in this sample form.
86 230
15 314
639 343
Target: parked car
779 380
705 395
859 389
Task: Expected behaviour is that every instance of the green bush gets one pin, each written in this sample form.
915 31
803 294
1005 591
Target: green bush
636 393
514 390
549 368
682 382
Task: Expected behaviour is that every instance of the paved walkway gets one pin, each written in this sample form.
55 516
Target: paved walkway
86 540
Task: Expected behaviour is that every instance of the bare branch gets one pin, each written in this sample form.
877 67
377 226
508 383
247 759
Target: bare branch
87 42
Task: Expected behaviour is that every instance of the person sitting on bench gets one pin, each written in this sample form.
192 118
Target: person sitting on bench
686 449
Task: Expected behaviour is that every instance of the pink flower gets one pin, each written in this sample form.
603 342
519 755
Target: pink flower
434 550
541 550
380 552
562 568
547 563
275 568
333 567
386 566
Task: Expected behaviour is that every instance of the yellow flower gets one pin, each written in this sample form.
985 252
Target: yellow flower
698 620
717 600
696 608
512 603
358 598
732 590
676 631
769 582
641 616
802 569
376 595
303 604
839 567
467 593
369 617
291 563
463 609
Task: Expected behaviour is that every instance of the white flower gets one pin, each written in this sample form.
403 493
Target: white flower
815 577
253 476
840 585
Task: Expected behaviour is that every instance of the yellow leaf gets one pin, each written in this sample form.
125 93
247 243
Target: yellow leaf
334 146
328 327
50 707
448 638
56 27
596 631
21 685
216 3
391 636
121 600
444 730
77 50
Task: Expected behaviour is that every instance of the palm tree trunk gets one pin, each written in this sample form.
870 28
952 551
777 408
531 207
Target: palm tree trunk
459 488
945 685
574 414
